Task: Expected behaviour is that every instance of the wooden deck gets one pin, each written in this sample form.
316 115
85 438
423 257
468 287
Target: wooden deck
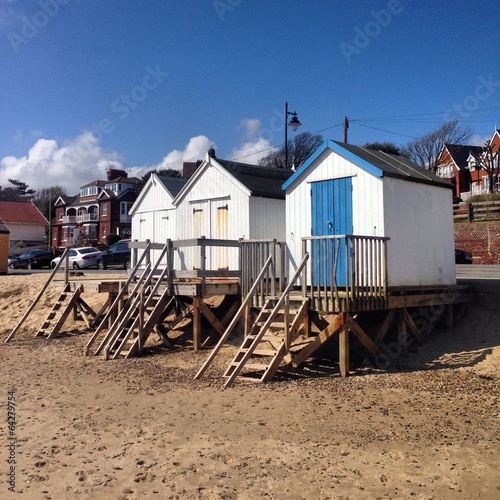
285 319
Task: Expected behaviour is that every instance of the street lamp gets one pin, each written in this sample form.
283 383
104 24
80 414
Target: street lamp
293 124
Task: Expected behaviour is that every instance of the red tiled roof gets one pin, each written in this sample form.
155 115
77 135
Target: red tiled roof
21 212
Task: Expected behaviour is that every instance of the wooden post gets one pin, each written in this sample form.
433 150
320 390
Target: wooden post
307 325
402 332
196 325
448 317
344 351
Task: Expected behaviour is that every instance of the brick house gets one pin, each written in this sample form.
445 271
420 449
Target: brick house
101 208
458 164
25 223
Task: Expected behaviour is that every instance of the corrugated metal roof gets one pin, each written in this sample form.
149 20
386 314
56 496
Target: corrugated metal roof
21 212
260 181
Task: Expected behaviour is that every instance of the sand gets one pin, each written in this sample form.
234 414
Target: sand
426 427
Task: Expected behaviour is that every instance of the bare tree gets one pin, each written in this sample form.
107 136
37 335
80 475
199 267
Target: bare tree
299 149
425 150
489 161
386 147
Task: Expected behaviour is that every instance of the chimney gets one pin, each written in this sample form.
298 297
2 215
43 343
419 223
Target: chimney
189 168
211 152
113 173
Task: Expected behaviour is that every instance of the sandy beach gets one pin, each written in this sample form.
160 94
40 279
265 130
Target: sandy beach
427 427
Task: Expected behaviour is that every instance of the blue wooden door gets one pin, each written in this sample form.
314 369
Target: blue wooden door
331 207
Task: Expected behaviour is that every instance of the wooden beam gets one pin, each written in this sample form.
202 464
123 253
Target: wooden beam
387 323
413 327
211 317
361 335
448 317
429 299
329 331
402 333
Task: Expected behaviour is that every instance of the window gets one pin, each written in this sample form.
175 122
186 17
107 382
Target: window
104 209
90 191
125 207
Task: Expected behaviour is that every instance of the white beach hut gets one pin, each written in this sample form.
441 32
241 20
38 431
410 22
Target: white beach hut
228 200
153 214
349 190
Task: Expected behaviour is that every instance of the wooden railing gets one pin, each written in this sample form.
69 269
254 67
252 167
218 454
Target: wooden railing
477 210
254 254
346 272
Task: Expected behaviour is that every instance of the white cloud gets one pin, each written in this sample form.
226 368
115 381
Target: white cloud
82 160
75 163
195 149
477 140
250 127
252 151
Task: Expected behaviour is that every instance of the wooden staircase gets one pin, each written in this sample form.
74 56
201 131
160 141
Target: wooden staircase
139 316
65 303
268 343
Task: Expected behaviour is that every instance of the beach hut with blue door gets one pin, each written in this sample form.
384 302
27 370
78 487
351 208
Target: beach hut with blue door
370 217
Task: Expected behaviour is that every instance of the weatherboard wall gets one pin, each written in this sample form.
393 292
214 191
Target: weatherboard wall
216 205
367 197
153 215
212 195
419 223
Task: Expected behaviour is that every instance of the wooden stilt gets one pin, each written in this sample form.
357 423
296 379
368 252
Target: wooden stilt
402 332
448 317
196 324
307 325
344 351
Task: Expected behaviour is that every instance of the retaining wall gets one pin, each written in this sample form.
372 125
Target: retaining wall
481 239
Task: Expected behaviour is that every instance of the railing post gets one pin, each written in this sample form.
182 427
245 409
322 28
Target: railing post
304 275
170 266
203 254
273 268
148 252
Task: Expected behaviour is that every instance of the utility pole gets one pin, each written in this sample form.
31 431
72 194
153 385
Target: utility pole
346 126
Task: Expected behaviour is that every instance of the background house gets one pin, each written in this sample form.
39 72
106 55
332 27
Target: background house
344 189
458 164
4 247
25 222
101 208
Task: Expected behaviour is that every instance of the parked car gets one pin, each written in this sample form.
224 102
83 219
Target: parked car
462 257
79 258
117 255
11 259
34 259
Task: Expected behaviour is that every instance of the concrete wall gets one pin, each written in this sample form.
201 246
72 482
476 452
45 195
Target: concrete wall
481 239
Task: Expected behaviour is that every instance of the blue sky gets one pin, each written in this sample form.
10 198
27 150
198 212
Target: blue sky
149 84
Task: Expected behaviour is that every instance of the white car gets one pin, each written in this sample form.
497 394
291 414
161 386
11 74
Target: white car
79 258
